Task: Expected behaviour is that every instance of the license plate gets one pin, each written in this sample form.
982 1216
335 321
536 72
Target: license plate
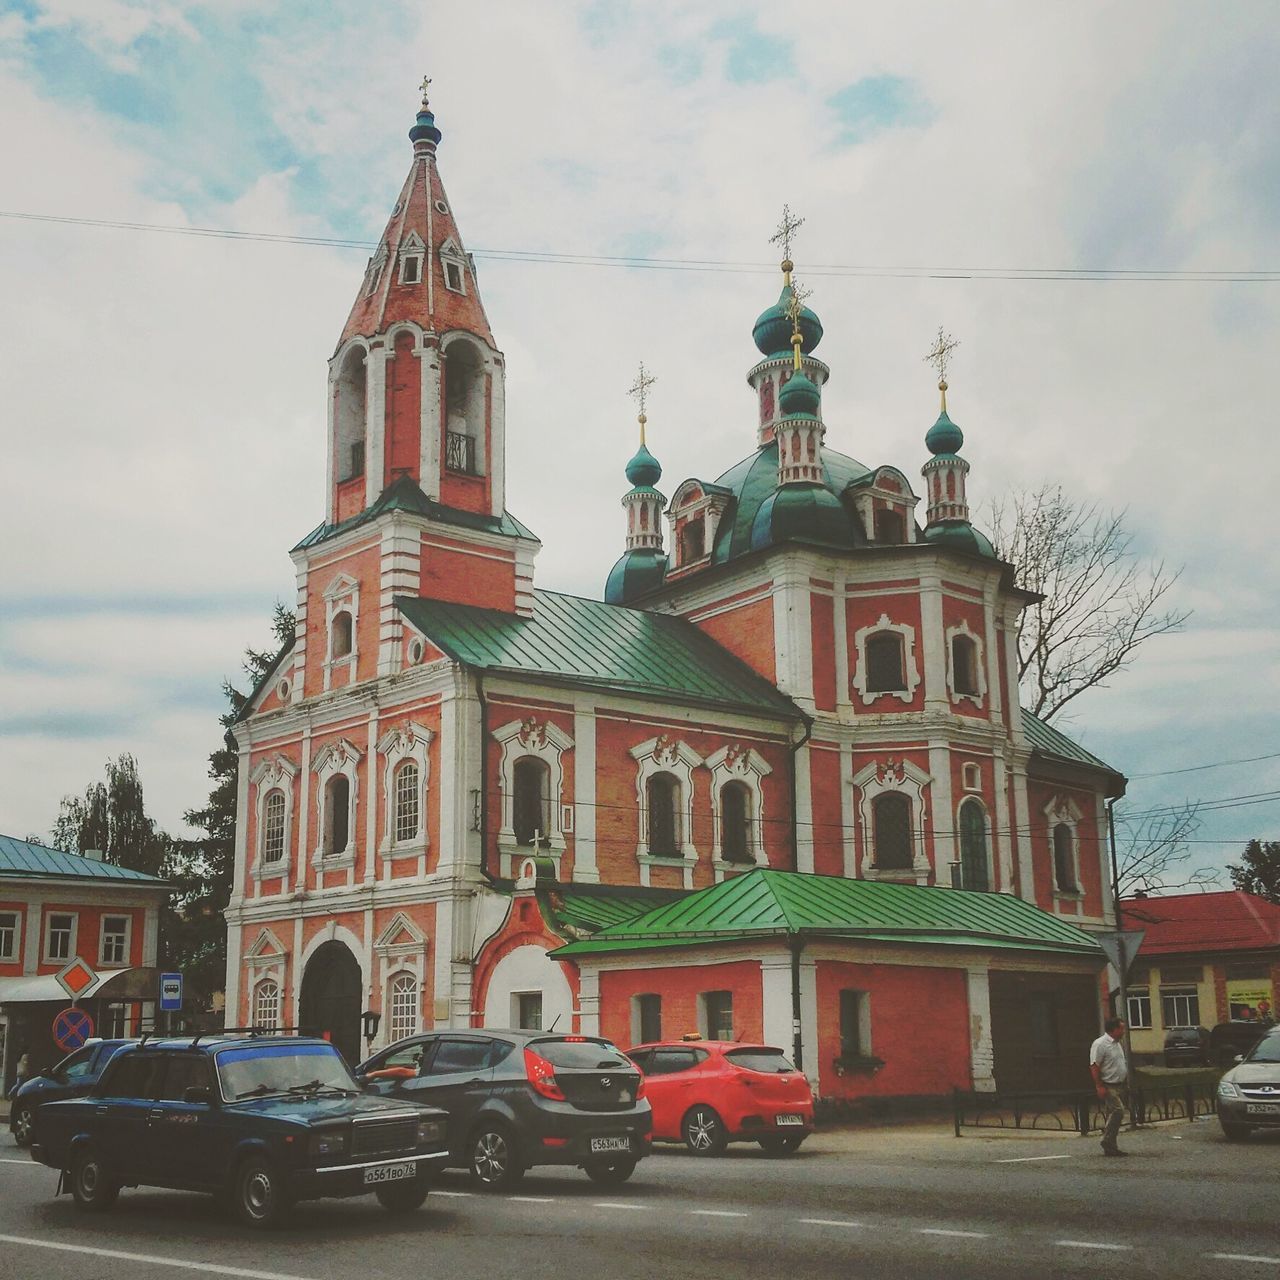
610 1144
388 1173
789 1119
1262 1108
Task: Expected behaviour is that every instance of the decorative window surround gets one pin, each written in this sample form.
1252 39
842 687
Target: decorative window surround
405 742
340 757
373 273
126 938
542 741
979 664
737 764
412 255
10 935
666 755
274 774
968 803
971 776
452 256
266 960
401 948
1062 810
342 595
265 1003
910 667
875 779
73 938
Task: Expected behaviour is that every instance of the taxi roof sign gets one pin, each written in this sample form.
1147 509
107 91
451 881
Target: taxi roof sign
76 978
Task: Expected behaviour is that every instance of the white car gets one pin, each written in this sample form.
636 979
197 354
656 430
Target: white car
1249 1094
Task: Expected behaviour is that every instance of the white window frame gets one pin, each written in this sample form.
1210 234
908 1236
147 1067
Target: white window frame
126 938
987 841
637 1016
864 1019
265 958
273 774
398 1028
735 763
517 997
257 999
9 954
1174 994
403 743
340 757
665 754
545 741
1143 1021
373 272
1062 810
910 666
401 947
73 937
876 779
342 595
413 250
452 255
971 776
979 662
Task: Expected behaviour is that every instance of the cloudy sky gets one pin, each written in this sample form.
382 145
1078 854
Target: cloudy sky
164 394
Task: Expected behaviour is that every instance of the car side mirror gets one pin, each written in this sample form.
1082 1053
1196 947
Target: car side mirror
1239 1057
198 1094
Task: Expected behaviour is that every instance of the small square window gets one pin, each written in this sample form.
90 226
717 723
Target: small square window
528 1010
717 1014
411 270
60 936
453 277
114 946
9 935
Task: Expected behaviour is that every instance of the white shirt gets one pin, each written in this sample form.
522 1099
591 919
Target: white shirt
1107 1054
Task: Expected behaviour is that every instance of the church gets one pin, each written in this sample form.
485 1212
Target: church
774 784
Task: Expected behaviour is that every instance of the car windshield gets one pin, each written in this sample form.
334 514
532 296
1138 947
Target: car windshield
1266 1050
771 1061
256 1071
586 1055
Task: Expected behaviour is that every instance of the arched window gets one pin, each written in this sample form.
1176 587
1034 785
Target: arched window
531 801
337 815
973 847
341 637
273 827
964 664
349 416
886 665
889 525
735 822
1064 859
891 822
408 802
464 407
662 793
266 1003
402 1006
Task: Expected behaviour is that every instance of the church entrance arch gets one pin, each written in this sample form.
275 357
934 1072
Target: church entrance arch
329 1002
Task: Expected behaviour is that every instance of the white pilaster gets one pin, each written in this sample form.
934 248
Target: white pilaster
231 996
946 843
793 638
584 798
589 1003
429 442
498 438
981 1050
775 993
372 791
375 437
804 811
809 1020
1022 816
933 645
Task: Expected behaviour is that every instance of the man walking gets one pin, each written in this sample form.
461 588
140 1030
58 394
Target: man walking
1110 1072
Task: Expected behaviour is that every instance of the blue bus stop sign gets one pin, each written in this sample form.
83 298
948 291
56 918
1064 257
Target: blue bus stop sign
170 992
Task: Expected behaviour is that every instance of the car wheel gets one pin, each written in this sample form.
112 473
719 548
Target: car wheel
21 1126
258 1197
782 1144
1235 1132
91 1187
403 1197
704 1132
493 1158
611 1173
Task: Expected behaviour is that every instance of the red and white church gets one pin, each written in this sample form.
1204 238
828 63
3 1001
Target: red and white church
775 784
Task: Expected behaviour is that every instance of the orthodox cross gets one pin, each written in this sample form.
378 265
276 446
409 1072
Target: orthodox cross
639 392
795 305
940 354
789 225
424 86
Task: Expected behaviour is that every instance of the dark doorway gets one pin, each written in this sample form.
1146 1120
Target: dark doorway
330 999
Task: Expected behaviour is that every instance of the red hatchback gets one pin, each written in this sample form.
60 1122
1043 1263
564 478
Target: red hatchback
706 1093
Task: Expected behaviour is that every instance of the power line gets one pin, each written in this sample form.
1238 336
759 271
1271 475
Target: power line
1197 768
720 266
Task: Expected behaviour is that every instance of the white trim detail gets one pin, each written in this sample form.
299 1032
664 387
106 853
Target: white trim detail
47 956
127 917
408 741
342 595
338 757
664 754
1063 810
401 948
540 740
737 764
979 664
265 960
877 779
910 667
273 774
411 249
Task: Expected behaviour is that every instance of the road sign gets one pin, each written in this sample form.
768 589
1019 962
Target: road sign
71 1028
76 978
170 992
1121 946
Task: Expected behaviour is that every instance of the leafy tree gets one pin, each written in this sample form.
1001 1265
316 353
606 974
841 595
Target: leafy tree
1258 870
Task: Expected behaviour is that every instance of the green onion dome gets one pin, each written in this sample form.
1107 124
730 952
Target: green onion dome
772 331
944 436
807 512
799 395
961 535
644 468
636 574
424 126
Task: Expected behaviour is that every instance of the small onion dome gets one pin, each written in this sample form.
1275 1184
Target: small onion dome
772 331
806 512
644 468
961 535
636 574
424 127
799 395
944 436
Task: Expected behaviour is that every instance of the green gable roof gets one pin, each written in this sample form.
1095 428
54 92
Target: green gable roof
778 904
1049 741
24 859
588 642
582 908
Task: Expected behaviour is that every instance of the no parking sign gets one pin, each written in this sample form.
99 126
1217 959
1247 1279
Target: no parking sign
71 1028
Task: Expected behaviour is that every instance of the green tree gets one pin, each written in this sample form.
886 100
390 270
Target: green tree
1258 870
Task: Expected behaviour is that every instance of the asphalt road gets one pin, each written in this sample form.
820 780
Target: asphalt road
875 1203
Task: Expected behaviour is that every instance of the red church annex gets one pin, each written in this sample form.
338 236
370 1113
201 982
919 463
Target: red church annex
776 783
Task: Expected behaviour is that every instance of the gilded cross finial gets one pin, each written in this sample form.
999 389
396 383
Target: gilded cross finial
787 228
940 357
424 86
795 307
639 392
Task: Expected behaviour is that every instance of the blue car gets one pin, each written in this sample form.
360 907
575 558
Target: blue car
73 1077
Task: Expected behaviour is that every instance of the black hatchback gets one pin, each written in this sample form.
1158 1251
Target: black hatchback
521 1098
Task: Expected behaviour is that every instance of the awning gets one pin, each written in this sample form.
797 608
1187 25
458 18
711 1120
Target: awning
116 984
37 989
141 983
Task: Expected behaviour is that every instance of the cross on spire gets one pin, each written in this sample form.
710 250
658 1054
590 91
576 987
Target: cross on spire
787 228
940 355
795 304
424 86
639 392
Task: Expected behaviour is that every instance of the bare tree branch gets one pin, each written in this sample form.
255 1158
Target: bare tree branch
1152 853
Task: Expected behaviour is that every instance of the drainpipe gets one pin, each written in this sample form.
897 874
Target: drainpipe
795 829
796 945
484 781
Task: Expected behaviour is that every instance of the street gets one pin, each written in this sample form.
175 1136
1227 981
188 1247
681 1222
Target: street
882 1202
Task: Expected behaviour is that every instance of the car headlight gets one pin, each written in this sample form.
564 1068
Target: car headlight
331 1143
1227 1090
430 1131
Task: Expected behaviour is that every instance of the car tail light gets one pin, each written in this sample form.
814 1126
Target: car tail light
542 1075
641 1091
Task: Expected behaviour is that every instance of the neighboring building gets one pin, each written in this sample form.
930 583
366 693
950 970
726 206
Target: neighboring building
1206 958
55 907
813 682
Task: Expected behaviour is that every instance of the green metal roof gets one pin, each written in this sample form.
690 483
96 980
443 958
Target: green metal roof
765 903
24 859
590 908
404 495
1049 741
589 642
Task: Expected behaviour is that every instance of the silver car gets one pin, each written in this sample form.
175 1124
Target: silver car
1249 1094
